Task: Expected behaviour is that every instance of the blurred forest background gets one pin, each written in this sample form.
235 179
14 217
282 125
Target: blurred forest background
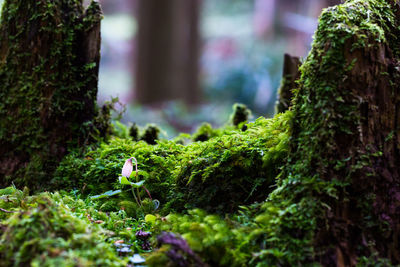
181 62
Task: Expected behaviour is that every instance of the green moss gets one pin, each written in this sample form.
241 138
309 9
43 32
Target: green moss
290 164
150 134
214 239
134 132
100 168
318 175
204 133
45 232
48 86
240 114
65 229
295 226
232 169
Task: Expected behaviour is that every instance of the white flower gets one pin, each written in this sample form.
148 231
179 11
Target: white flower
128 168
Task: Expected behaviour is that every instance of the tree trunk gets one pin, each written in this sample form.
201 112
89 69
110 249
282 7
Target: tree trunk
346 133
49 60
290 75
168 48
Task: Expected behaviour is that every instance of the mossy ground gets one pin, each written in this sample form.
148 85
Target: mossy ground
52 230
234 168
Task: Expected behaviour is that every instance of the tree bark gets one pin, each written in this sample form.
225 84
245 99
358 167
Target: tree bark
49 60
290 75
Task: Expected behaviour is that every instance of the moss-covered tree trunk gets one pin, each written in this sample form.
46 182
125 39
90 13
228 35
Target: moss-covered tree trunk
49 58
346 132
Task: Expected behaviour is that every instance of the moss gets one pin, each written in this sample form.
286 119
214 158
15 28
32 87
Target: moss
300 222
204 133
240 114
55 237
48 85
319 174
134 132
231 169
64 229
98 170
292 164
209 236
150 134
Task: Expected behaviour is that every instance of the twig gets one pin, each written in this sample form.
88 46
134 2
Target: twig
148 193
7 211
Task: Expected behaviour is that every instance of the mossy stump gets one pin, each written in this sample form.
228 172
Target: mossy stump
345 149
49 59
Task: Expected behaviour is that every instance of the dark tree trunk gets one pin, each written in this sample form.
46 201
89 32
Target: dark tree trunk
168 48
49 60
346 132
373 84
290 75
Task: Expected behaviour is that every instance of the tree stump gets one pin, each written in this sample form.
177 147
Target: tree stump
291 74
345 150
49 60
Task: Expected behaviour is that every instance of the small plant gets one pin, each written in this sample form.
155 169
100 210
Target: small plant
125 179
126 173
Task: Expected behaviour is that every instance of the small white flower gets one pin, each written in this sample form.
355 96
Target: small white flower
128 168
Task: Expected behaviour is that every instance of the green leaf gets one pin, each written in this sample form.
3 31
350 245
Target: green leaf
123 180
138 184
143 173
106 194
